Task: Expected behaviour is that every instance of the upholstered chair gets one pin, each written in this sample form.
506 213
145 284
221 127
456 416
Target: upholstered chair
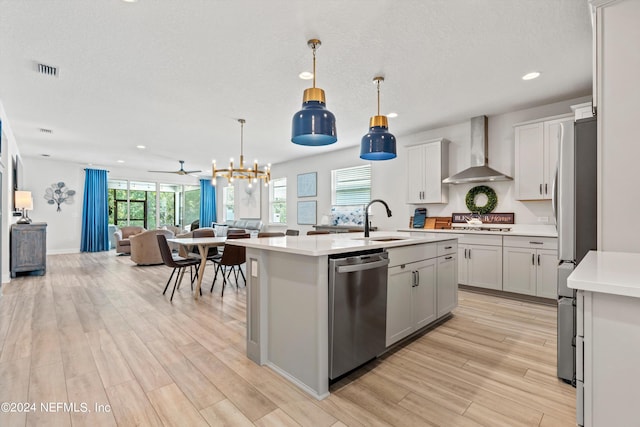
145 249
122 236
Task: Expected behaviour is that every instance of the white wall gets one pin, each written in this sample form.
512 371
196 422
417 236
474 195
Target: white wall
618 113
389 178
64 227
9 151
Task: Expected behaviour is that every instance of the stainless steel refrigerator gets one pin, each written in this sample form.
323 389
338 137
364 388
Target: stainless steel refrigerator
575 206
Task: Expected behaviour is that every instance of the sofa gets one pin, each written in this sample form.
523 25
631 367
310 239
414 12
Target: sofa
145 249
122 238
251 226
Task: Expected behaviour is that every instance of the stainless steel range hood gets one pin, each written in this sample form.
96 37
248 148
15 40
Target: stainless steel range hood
479 170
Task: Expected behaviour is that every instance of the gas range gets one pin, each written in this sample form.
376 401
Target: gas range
480 227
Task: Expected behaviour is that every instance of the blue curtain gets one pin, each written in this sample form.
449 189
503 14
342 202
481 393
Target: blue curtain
207 203
95 212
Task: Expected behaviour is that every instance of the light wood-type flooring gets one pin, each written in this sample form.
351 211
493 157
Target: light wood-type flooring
96 333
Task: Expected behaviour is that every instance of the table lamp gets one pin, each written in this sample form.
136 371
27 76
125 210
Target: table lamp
24 202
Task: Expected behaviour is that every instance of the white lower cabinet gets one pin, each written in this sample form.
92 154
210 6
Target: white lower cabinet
480 261
447 284
419 291
529 269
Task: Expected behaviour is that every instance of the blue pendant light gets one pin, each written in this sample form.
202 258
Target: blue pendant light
314 125
378 144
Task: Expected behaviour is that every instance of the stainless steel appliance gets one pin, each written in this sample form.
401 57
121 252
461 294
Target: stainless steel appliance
575 206
357 309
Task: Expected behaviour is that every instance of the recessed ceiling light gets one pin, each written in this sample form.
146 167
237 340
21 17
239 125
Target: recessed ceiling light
531 76
120 161
306 75
392 115
141 147
129 1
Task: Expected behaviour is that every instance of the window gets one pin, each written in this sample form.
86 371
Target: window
278 201
192 204
139 203
351 186
228 204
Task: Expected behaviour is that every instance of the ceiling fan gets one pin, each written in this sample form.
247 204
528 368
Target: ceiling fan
179 172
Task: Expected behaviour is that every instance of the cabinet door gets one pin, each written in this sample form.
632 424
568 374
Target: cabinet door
529 157
547 275
553 131
415 176
399 316
434 190
424 293
520 266
447 292
485 266
463 277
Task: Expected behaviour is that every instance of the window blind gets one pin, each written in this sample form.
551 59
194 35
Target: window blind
352 186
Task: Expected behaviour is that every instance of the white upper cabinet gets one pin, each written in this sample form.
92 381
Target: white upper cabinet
536 156
427 166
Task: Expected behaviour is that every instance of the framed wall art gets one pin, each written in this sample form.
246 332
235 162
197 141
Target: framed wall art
307 212
248 200
307 184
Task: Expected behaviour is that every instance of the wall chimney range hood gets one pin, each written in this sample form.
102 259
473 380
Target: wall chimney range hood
479 170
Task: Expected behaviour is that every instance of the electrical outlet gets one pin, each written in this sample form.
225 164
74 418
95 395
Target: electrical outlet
543 219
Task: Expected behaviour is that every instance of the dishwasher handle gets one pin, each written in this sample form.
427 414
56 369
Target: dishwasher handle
362 267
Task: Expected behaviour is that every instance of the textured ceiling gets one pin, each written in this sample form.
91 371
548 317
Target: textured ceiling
174 75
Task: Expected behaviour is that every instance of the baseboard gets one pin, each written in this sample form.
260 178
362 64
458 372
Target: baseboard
62 251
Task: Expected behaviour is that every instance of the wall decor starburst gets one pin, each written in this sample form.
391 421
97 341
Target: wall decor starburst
58 194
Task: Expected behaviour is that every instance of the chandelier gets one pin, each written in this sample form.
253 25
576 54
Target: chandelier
251 173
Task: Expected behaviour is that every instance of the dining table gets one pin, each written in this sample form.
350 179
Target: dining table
203 244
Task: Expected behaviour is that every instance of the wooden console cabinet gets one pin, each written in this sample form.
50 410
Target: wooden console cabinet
29 248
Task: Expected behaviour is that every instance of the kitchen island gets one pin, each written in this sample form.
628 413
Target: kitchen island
288 301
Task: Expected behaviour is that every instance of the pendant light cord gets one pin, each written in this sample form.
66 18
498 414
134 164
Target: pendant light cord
314 65
378 83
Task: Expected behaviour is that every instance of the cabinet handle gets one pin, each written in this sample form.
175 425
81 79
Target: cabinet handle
413 279
469 253
538 259
417 278
533 259
536 243
448 247
540 189
448 257
546 191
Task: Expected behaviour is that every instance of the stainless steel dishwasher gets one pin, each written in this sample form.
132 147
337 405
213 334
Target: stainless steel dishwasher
357 309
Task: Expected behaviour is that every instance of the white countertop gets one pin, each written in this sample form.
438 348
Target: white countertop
516 230
328 244
616 273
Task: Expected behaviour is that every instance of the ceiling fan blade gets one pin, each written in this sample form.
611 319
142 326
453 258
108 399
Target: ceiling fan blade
164 171
188 172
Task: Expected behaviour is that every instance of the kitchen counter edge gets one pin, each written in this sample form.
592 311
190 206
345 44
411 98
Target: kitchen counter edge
514 232
615 273
331 244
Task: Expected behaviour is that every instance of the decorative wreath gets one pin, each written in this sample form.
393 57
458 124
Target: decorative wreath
492 199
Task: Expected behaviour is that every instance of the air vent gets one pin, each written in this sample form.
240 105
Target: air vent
47 70
43 130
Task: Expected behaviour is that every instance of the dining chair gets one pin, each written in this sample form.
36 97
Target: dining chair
176 262
291 232
205 232
312 232
270 234
232 256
